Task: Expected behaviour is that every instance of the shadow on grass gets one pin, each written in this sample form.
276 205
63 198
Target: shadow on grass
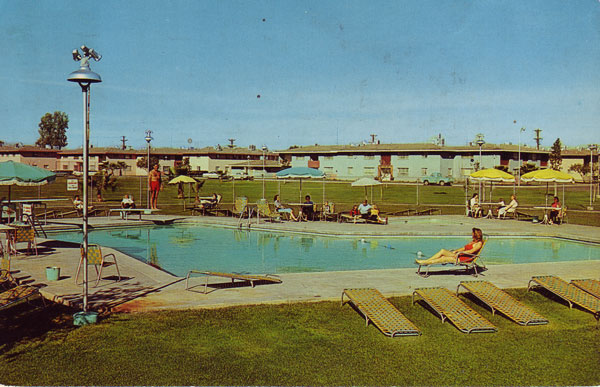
227 285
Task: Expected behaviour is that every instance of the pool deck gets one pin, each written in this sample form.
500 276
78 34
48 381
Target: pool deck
145 288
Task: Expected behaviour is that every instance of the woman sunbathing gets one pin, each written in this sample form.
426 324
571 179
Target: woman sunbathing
464 254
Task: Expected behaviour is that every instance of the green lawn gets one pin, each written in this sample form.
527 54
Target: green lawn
299 344
389 197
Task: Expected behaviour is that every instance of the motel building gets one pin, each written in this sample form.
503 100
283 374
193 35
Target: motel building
410 162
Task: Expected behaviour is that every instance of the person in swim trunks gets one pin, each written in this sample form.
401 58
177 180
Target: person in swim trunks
463 254
154 185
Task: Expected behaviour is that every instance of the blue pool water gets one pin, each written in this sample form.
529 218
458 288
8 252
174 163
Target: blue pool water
180 248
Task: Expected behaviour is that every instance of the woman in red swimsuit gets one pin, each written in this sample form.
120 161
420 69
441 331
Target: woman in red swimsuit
464 254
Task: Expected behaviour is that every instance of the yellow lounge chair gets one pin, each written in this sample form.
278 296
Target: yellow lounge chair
591 286
377 309
450 307
568 292
498 300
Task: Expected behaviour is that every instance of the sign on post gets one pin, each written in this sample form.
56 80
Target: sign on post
27 209
72 185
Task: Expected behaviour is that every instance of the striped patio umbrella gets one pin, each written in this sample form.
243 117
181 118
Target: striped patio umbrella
14 173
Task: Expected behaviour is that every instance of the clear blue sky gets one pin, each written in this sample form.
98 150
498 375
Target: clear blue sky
327 72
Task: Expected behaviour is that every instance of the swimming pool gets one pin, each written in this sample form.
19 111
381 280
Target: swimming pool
180 248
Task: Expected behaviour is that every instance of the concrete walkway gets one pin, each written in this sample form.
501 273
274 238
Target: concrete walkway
145 288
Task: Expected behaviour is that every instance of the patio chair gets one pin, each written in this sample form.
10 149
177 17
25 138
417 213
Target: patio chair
450 307
264 211
381 312
6 277
240 207
215 209
96 258
498 300
329 213
22 234
572 294
473 263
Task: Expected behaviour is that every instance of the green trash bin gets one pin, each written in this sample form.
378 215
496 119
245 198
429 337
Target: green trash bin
52 273
85 318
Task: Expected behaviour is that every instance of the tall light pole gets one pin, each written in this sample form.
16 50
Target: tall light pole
85 77
264 150
480 142
148 139
592 148
519 171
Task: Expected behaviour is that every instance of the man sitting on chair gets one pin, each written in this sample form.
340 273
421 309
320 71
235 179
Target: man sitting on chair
127 202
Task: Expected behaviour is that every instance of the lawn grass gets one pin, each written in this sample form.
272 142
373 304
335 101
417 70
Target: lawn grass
389 197
302 344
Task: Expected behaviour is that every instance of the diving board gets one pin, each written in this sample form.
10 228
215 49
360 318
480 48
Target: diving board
377 309
233 276
450 307
498 300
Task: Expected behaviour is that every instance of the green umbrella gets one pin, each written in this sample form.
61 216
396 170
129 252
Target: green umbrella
13 173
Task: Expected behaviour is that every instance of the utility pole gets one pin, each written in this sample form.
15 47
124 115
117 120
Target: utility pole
123 140
537 138
231 141
373 138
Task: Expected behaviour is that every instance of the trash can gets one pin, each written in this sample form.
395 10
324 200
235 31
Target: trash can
85 318
52 273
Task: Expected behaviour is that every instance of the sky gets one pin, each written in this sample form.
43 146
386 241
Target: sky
282 73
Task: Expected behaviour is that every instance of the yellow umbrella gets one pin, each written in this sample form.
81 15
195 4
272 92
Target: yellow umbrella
548 176
183 179
492 174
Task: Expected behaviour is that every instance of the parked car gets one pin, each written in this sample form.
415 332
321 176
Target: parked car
437 178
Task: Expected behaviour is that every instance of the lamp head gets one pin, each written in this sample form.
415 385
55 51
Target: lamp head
84 76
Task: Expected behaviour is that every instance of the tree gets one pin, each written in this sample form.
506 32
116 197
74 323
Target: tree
105 178
53 130
502 168
528 168
142 163
581 169
555 155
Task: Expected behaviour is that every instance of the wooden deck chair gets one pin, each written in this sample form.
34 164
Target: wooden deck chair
252 278
591 286
450 307
568 292
468 265
498 300
96 258
23 234
264 211
381 312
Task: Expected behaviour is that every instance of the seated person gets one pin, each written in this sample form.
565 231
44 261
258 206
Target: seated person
77 203
308 209
375 215
556 207
474 204
365 209
511 207
283 210
209 203
463 254
127 202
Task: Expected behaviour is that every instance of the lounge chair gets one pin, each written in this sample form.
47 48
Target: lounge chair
377 309
351 219
450 307
329 213
17 295
264 211
497 299
96 258
568 292
233 276
591 286
468 265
